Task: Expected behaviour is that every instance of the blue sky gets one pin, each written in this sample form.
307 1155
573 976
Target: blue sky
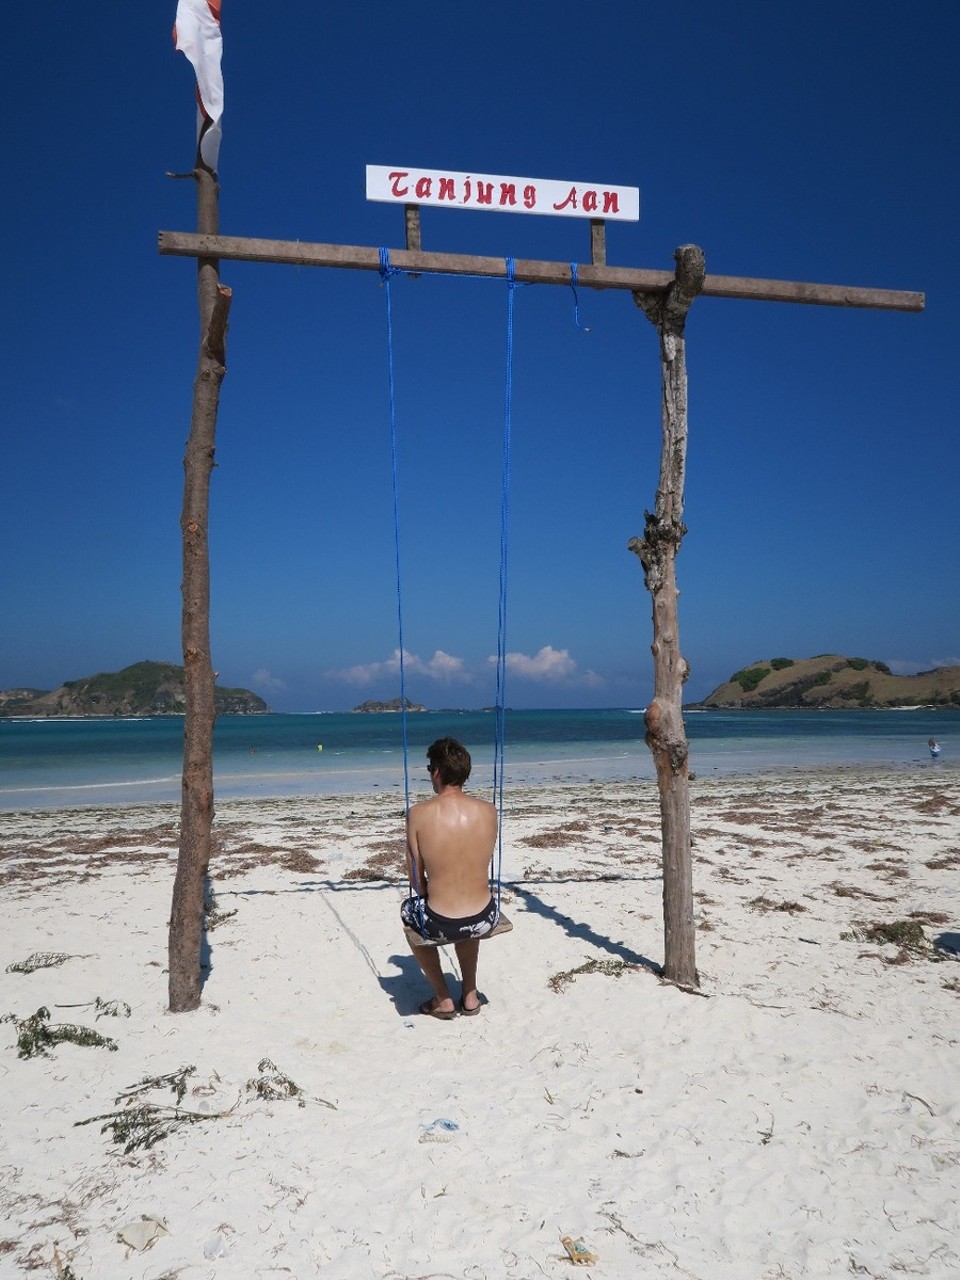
808 141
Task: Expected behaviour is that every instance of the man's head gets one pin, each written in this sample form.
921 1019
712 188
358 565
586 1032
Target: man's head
449 760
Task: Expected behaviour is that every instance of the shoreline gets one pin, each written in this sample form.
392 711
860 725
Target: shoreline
103 763
291 786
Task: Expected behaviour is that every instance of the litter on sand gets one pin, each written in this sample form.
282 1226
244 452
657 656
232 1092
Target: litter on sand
578 1252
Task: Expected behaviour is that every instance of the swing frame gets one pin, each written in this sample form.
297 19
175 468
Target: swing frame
665 297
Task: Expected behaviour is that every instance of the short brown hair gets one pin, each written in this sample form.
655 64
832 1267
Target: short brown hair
452 759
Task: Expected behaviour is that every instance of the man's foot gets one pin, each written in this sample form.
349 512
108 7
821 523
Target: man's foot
470 1010
432 1010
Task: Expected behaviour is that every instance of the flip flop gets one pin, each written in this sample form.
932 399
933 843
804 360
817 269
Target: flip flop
469 1013
445 1015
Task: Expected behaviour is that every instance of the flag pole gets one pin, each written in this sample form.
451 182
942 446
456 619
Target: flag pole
185 942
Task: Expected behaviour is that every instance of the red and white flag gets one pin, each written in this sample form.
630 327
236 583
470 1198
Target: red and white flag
197 34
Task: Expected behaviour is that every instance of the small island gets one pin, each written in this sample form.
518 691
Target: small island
395 704
831 682
144 689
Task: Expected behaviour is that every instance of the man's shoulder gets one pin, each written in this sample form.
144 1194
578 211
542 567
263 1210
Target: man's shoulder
482 809
419 806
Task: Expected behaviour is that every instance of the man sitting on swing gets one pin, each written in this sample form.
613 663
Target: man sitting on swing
450 842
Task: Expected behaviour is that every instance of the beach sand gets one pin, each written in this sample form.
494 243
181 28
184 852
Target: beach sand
800 1117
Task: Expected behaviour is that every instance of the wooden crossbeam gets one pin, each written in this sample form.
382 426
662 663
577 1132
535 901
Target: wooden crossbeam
299 253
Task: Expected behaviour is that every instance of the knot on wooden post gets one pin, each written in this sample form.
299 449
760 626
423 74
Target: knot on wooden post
661 537
666 746
668 310
691 271
215 339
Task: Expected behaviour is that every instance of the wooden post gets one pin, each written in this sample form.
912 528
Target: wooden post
657 550
196 805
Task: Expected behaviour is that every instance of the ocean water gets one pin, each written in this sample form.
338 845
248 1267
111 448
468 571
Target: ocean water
65 763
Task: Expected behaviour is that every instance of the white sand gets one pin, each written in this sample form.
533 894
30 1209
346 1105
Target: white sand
801 1118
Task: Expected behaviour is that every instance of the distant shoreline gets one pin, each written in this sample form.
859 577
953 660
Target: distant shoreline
687 707
52 763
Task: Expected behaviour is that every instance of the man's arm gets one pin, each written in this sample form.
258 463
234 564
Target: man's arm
415 868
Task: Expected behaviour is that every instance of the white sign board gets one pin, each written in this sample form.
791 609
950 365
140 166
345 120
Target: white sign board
442 187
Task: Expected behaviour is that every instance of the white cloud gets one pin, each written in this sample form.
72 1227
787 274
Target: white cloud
548 665
262 679
554 666
442 667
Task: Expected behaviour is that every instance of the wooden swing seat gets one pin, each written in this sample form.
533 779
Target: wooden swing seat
415 939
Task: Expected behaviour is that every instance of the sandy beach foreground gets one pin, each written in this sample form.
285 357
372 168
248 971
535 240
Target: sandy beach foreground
799 1118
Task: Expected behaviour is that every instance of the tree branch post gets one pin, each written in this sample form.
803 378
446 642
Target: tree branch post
657 551
196 804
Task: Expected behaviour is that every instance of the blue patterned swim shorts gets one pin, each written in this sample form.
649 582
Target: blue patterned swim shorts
416 914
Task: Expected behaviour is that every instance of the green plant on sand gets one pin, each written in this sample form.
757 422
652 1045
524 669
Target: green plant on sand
36 1035
141 1125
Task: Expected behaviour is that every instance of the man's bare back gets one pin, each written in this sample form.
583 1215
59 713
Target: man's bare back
451 840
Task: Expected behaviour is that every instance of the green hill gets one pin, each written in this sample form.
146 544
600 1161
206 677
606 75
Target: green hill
145 689
835 682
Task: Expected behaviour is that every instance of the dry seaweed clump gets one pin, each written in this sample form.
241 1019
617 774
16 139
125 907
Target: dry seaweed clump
902 933
907 935
40 960
386 865
556 837
273 1086
768 904
612 968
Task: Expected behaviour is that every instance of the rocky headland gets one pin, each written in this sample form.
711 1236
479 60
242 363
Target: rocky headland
833 682
144 689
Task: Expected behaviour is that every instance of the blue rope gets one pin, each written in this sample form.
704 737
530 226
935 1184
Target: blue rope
501 704
574 282
386 271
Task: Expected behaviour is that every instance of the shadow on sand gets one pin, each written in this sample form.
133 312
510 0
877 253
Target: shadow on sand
405 988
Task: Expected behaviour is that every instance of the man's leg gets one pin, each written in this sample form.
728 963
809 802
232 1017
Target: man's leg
468 954
428 958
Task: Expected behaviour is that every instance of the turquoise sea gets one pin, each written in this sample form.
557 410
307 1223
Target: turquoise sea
65 763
